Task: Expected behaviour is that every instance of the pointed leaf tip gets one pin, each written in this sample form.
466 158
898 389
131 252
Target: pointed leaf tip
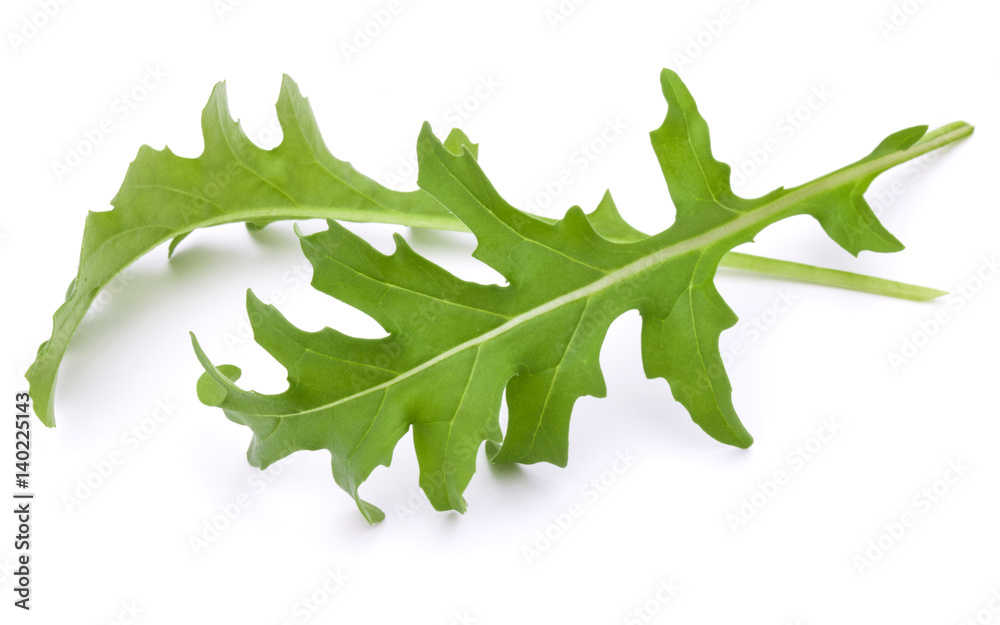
457 141
174 243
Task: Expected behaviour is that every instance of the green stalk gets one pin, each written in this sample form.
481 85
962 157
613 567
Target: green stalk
810 274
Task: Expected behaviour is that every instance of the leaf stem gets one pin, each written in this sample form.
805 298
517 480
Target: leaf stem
810 274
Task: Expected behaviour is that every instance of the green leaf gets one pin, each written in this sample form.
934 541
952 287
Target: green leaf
457 140
454 347
165 197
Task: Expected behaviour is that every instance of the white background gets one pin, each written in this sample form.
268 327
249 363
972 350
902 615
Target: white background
667 518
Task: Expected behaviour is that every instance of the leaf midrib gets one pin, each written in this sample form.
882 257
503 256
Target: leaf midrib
759 215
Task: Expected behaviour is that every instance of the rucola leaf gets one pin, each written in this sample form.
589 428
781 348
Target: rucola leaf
453 347
165 197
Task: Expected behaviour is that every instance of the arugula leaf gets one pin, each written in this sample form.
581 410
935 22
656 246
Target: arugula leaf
453 347
164 197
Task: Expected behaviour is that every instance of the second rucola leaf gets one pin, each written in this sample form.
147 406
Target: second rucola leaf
454 348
